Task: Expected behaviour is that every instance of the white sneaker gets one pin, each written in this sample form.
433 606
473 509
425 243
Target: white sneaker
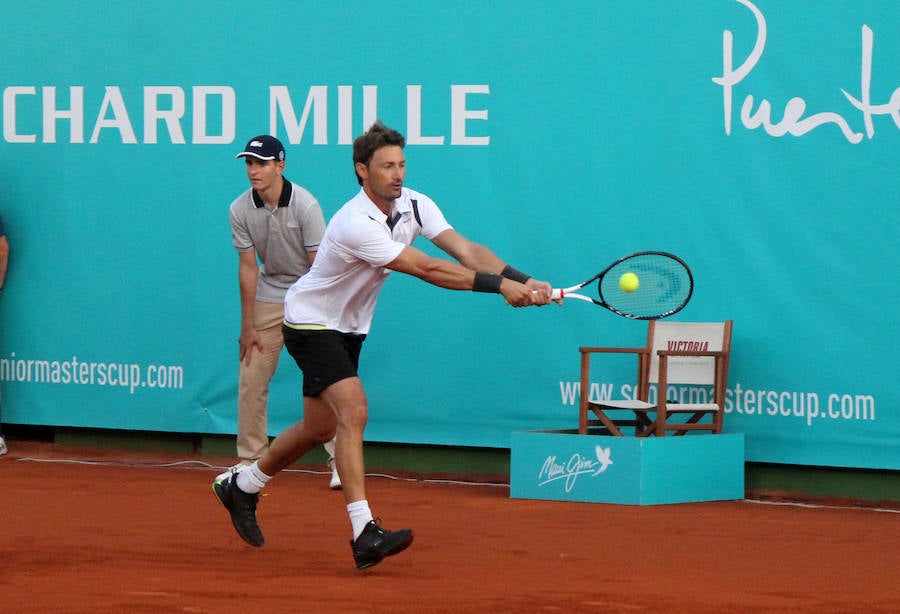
335 478
3 451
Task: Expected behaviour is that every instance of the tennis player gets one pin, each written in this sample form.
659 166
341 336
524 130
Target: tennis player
328 312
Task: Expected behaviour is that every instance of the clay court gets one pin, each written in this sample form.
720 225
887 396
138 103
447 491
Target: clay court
106 531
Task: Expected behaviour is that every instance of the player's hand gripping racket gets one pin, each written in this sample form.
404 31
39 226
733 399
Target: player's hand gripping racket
642 286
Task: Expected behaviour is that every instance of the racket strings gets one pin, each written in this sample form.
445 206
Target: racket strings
665 286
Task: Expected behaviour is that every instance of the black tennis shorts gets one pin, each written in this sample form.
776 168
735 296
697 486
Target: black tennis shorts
324 356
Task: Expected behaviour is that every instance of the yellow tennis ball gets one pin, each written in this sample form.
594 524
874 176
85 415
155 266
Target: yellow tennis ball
629 282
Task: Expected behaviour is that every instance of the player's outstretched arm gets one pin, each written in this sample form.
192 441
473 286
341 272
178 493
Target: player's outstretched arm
470 254
448 274
480 258
436 271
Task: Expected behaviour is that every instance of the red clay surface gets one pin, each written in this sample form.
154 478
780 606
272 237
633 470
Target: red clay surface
131 535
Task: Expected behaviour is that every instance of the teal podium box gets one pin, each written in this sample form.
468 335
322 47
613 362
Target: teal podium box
566 466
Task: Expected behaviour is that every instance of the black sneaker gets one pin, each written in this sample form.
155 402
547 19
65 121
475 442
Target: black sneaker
242 507
375 543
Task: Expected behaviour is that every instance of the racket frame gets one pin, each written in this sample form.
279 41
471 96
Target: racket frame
563 293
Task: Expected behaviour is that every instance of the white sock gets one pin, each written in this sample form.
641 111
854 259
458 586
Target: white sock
360 516
251 479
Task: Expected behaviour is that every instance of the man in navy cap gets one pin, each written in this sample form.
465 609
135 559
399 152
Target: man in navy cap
276 227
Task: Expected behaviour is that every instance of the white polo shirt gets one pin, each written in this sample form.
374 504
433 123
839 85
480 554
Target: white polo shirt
341 288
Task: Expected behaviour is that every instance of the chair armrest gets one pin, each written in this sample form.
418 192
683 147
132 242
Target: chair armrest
594 350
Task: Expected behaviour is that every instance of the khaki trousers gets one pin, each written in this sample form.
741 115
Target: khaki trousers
253 382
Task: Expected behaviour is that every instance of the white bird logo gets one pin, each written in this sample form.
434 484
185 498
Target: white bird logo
603 456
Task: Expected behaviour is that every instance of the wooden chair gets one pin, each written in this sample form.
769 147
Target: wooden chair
678 357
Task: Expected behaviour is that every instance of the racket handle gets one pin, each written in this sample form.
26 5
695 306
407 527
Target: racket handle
557 294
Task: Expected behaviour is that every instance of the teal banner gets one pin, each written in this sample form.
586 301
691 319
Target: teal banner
757 140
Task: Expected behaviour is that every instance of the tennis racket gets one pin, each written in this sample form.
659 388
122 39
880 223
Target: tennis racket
665 285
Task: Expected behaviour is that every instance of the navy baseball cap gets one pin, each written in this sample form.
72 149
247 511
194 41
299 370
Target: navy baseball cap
264 147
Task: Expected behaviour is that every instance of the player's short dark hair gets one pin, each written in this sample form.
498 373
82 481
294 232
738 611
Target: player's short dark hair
378 136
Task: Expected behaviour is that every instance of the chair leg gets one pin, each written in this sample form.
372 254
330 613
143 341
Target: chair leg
644 427
609 424
584 393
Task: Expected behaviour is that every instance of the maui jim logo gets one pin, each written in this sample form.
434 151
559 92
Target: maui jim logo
577 465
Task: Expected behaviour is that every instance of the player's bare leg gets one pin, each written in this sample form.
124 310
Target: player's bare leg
347 401
317 427
239 492
370 543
